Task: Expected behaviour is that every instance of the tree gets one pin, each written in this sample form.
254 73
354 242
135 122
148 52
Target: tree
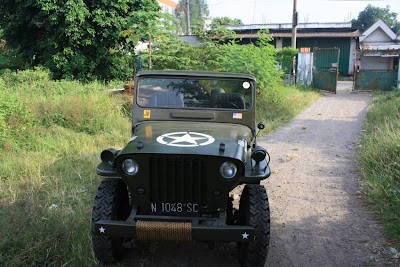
258 60
198 15
78 39
372 14
150 27
225 21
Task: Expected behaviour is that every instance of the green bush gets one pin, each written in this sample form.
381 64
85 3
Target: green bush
15 119
29 101
30 78
259 60
380 159
285 58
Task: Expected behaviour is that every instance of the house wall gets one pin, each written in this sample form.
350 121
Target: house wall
352 56
168 6
279 43
167 9
377 36
397 67
343 43
374 63
192 39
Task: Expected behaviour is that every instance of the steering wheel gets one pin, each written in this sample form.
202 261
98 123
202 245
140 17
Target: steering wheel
225 102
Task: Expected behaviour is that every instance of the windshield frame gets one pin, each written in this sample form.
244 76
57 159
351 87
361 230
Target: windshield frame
248 96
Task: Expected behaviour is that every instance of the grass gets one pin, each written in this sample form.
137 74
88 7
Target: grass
51 133
380 160
278 105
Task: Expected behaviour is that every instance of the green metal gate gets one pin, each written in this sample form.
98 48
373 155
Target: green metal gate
383 80
325 68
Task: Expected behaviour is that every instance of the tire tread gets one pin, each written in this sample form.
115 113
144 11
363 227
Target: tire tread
104 207
258 216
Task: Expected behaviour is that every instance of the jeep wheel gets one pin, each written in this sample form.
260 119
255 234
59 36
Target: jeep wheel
111 203
254 211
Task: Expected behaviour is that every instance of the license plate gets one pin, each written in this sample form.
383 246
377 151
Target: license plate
175 208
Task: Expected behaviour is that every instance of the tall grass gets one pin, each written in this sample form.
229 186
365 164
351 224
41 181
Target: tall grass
278 105
51 133
380 159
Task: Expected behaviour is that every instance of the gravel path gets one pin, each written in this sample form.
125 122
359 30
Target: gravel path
318 217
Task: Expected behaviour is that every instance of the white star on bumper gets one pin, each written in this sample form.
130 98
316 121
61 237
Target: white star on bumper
102 230
245 235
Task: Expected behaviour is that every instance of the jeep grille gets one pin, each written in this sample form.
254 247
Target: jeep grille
174 179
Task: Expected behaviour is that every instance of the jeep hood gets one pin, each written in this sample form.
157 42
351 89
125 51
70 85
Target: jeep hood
196 138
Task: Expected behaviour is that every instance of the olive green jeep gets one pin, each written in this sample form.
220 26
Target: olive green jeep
194 140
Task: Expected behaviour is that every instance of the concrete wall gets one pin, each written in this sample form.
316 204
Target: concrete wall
304 68
374 63
378 36
279 43
191 39
352 57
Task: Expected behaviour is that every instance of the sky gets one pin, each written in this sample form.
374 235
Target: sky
280 11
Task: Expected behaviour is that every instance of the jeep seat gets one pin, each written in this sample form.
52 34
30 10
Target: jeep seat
223 100
166 99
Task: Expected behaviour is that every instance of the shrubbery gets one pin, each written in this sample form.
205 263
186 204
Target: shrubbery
258 60
30 102
380 159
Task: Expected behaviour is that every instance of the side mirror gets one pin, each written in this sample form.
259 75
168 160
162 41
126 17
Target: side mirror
260 126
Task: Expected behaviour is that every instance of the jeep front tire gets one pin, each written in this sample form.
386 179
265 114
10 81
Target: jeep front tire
254 211
111 203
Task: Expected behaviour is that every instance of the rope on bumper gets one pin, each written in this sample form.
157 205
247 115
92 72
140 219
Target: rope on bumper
164 231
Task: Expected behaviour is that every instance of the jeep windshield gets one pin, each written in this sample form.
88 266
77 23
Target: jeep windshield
195 93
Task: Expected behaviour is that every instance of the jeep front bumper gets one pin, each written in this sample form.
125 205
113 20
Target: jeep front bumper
172 230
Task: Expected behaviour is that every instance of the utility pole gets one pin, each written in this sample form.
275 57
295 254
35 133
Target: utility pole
294 24
294 34
188 17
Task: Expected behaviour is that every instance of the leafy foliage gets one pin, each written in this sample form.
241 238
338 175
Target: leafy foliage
225 21
258 60
173 53
372 14
198 11
74 39
152 26
285 58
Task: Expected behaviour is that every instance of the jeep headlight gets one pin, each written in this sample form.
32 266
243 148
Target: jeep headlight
130 167
228 170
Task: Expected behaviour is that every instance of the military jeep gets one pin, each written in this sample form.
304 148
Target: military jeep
194 140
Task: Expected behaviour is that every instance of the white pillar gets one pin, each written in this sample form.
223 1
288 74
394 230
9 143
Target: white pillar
353 47
279 43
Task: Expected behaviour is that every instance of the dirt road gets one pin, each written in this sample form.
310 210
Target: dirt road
318 217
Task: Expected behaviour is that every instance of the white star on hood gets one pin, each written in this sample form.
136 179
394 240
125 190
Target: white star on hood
185 138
